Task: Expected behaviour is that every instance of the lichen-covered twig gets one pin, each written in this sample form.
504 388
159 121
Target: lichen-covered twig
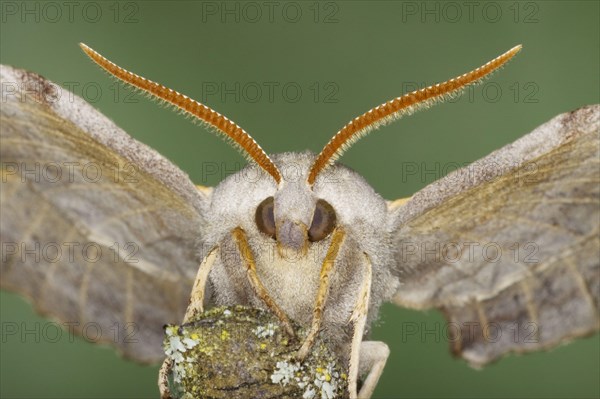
240 352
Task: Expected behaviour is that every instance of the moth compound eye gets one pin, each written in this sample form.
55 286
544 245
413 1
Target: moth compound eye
323 221
265 218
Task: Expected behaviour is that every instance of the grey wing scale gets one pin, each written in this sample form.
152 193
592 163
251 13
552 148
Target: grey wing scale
98 230
509 248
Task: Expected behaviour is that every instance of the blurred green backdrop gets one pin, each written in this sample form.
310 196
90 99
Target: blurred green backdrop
344 57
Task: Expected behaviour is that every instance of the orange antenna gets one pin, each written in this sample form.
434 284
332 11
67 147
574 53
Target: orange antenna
232 132
400 106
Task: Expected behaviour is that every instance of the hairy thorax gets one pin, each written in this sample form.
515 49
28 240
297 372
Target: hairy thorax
290 278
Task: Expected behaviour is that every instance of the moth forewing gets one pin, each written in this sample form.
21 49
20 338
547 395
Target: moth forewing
539 195
132 226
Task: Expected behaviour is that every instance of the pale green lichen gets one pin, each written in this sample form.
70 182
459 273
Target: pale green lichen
284 373
239 352
265 331
177 344
325 381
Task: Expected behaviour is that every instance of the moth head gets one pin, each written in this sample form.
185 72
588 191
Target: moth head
291 214
295 215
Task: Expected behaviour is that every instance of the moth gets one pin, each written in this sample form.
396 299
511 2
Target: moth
298 234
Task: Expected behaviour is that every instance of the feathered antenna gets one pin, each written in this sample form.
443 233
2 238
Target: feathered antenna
232 132
400 106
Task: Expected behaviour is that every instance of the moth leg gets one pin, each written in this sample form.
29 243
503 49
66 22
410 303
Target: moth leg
163 379
322 293
196 305
359 319
259 289
373 356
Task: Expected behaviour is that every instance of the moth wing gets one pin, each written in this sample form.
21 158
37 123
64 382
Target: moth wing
98 230
509 247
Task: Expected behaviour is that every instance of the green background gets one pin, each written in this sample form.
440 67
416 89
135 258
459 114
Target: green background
368 52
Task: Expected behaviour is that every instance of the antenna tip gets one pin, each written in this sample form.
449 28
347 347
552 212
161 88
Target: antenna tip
511 53
86 49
